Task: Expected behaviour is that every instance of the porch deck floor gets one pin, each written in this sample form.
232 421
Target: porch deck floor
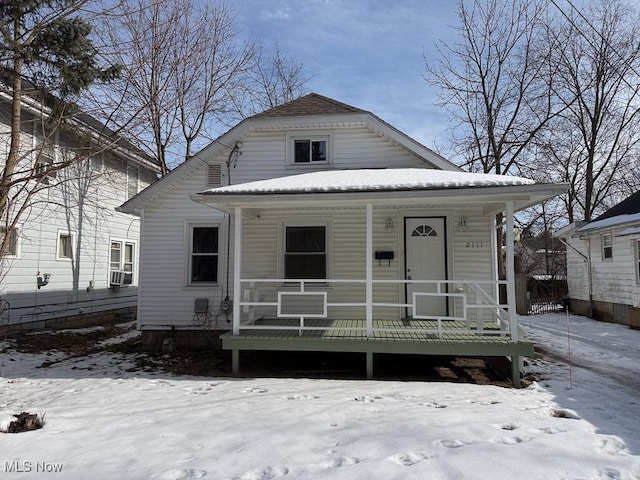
351 336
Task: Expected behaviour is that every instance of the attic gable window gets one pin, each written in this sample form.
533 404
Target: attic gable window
309 149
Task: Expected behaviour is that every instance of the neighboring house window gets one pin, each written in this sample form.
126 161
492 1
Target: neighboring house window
65 245
45 159
132 181
309 149
96 164
607 246
305 252
122 259
10 241
203 254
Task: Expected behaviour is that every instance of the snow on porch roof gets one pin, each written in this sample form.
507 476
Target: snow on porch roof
370 180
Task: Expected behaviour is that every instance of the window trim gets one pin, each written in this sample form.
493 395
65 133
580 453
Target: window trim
308 222
322 135
135 265
607 247
188 248
72 236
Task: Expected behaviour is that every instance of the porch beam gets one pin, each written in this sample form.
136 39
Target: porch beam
511 274
369 264
237 272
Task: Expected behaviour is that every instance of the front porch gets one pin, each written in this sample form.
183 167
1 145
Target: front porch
420 337
383 261
297 315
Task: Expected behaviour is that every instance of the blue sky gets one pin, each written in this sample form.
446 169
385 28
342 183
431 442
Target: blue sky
367 53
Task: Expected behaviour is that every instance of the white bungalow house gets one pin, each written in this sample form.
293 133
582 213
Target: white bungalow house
69 255
603 264
316 226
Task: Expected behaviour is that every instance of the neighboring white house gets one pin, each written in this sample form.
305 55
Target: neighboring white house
70 254
603 264
322 213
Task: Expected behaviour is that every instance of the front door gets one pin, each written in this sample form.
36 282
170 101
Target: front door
425 258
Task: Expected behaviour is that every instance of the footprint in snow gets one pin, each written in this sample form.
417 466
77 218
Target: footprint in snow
450 443
341 462
610 474
510 426
300 397
256 390
407 459
366 399
265 473
613 446
550 430
433 405
509 440
183 474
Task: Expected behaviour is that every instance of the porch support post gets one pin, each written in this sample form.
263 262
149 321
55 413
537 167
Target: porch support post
237 262
511 275
369 264
369 364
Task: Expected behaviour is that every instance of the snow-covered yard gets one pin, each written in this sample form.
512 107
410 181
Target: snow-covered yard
105 418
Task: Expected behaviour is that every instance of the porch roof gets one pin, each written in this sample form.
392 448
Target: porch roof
381 186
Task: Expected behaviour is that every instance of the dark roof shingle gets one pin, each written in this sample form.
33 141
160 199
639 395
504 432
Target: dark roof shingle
628 206
311 104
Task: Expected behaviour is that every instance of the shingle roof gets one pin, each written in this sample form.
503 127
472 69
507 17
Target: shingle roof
628 206
311 104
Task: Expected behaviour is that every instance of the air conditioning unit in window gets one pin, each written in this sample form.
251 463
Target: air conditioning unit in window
117 278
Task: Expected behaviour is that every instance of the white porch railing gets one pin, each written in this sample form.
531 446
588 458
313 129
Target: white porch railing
470 306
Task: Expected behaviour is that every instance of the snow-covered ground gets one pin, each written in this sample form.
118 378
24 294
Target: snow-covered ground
106 419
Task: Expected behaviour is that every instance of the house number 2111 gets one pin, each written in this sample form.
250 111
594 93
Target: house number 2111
475 244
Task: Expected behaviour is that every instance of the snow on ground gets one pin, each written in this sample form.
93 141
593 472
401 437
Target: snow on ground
106 419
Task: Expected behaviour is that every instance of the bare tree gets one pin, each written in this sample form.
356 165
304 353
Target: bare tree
273 79
188 72
495 84
47 59
594 145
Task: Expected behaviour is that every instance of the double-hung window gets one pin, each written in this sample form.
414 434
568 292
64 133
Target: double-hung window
65 246
203 254
122 258
305 252
607 246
